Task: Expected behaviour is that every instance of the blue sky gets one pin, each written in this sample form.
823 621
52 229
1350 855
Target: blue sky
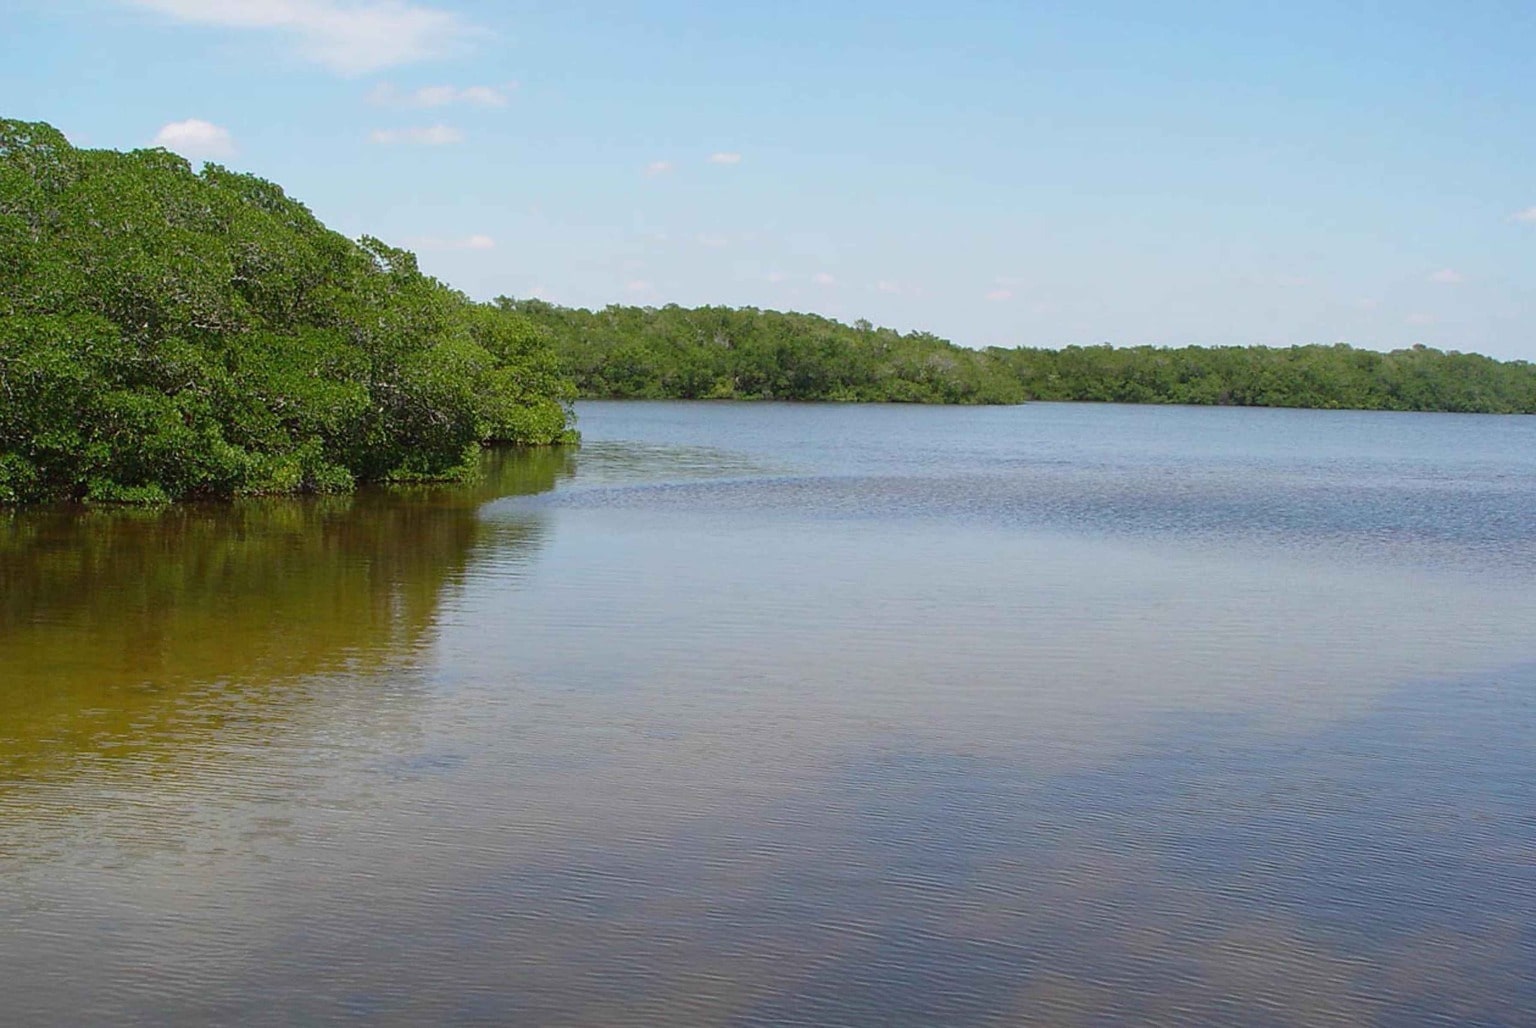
996 172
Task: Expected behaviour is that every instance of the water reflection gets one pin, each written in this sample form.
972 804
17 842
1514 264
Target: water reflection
123 631
764 735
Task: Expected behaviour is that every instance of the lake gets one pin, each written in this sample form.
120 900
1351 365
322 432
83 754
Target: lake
763 714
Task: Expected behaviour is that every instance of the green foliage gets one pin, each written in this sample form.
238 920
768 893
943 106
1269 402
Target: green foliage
168 334
1329 377
725 353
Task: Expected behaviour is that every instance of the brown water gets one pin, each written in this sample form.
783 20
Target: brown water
776 714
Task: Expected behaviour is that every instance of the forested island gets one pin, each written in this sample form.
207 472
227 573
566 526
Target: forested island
168 334
725 353
171 334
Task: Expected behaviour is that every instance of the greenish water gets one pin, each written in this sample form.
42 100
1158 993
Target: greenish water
782 714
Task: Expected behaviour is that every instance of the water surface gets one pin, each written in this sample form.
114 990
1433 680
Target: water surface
767 714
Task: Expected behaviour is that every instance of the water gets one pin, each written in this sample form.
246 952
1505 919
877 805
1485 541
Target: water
774 714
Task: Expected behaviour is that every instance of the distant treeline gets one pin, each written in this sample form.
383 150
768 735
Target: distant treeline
745 353
166 334
1328 377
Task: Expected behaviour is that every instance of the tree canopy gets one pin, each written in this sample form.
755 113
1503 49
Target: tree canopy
1418 378
723 353
750 354
166 333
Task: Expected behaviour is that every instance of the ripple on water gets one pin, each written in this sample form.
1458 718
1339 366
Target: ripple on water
791 715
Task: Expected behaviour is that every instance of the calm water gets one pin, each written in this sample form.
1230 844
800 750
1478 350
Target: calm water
761 715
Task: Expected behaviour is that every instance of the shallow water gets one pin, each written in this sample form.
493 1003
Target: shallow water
767 714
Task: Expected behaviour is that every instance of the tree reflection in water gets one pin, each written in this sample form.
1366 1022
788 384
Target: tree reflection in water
129 631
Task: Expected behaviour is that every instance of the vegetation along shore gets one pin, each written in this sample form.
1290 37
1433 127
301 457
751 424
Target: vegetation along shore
167 334
171 334
725 353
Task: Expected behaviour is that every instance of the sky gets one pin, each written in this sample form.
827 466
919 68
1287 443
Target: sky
998 173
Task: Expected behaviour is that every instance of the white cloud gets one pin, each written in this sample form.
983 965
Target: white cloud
824 279
1420 319
658 168
887 287
431 96
349 38
475 242
486 96
999 295
196 138
1447 277
725 158
431 135
1528 215
637 285
386 95
777 276
712 240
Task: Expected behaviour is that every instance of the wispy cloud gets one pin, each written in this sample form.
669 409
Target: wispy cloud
886 286
822 278
349 38
638 285
475 242
1528 215
1447 277
712 240
658 168
999 295
1420 319
196 138
430 135
725 158
387 95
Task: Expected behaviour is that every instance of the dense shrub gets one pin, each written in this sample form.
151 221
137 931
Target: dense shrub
168 334
719 352
745 353
1414 379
